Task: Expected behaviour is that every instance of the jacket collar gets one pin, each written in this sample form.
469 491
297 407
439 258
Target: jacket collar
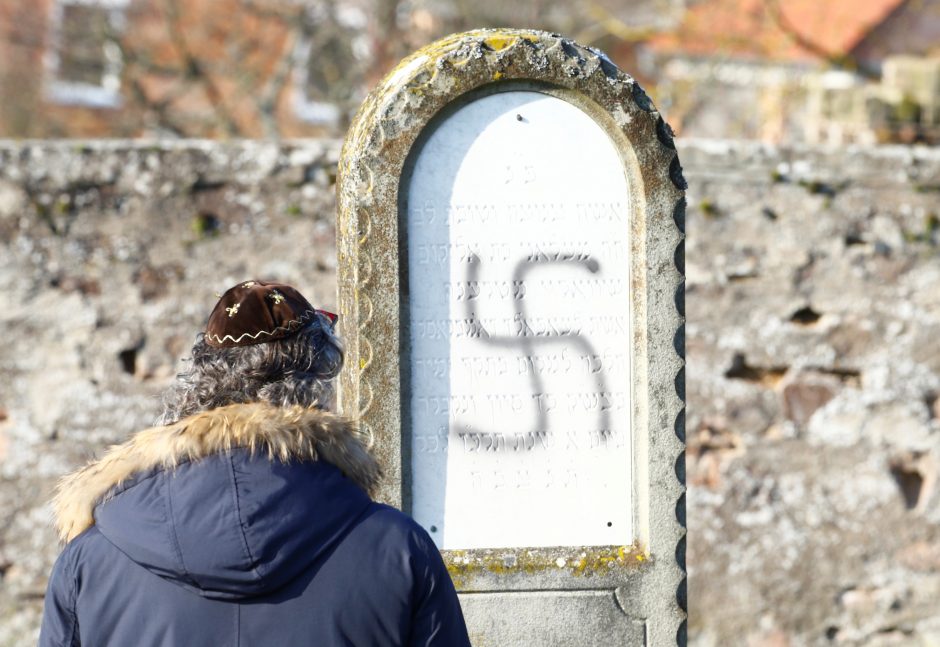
282 433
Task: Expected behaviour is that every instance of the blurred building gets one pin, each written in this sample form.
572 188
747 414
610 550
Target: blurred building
197 68
246 68
801 70
780 71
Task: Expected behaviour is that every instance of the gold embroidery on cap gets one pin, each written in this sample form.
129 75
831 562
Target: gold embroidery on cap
231 311
288 327
277 296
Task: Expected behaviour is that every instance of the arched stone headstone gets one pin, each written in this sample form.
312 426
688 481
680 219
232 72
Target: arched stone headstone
510 274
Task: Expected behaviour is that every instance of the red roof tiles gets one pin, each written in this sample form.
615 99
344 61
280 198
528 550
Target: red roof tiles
783 30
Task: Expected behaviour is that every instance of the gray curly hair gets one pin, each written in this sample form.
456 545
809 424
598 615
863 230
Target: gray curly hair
297 370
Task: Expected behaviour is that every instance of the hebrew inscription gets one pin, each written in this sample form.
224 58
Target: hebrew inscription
520 328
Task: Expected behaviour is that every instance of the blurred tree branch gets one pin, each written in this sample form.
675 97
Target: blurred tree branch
606 23
294 20
160 109
194 70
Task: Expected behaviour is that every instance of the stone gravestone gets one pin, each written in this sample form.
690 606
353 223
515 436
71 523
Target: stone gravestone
510 250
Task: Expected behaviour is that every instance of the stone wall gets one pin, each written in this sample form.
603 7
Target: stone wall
813 332
813 356
110 258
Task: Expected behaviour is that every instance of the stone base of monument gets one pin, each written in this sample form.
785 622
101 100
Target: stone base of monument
510 275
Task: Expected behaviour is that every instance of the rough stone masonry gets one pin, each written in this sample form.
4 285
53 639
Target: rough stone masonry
813 312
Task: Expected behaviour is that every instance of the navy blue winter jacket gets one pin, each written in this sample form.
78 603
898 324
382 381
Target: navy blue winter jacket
247 525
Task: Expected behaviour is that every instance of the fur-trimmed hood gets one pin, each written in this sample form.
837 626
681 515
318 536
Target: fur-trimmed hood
229 502
284 434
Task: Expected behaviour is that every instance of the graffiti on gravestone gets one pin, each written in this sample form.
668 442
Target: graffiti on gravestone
510 284
519 327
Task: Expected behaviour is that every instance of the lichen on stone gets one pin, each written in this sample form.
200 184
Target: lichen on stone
466 565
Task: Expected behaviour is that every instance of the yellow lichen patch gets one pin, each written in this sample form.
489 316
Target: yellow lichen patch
464 565
432 52
600 561
498 75
500 41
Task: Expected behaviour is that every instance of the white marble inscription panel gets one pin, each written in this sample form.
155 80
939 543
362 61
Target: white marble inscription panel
519 280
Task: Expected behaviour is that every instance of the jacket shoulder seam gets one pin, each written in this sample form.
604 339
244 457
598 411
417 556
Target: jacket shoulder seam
238 514
72 598
174 538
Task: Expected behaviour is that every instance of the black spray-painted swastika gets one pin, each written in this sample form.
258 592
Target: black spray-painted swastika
526 341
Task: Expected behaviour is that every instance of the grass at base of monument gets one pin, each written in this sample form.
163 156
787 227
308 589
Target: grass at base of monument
587 561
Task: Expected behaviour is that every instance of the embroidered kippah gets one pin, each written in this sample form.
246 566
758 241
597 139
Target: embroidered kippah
254 312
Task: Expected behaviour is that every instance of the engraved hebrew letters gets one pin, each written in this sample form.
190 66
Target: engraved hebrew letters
520 328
